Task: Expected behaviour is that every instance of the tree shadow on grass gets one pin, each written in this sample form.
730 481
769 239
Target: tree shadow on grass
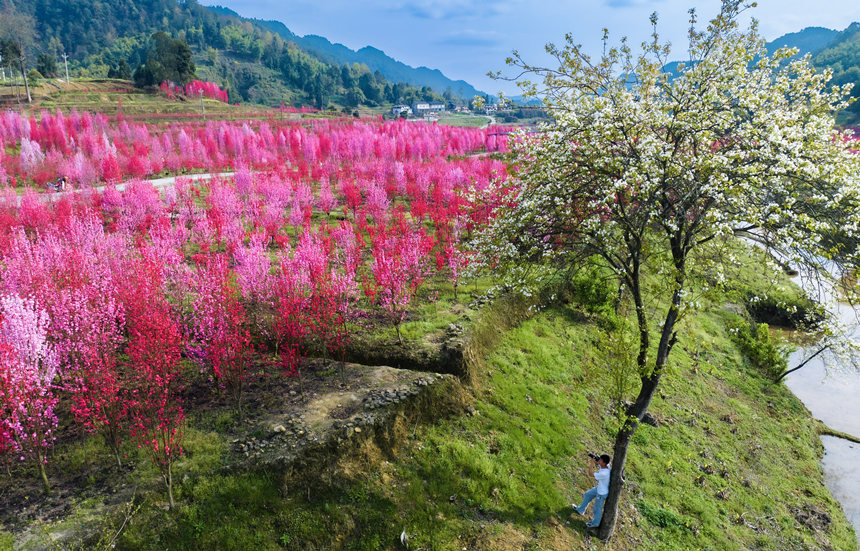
571 519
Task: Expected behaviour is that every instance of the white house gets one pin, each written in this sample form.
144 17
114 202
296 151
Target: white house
397 110
424 107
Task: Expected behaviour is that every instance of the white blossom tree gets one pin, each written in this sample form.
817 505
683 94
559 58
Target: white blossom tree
649 171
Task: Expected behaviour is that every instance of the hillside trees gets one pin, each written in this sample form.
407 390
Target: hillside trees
122 70
167 59
652 174
843 56
101 35
17 32
46 64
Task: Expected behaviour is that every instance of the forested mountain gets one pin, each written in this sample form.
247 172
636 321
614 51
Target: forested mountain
839 51
810 39
376 60
251 62
842 55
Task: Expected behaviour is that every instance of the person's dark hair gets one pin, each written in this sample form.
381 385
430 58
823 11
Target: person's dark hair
606 459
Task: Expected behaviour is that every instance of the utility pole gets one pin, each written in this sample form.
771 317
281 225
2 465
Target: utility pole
202 106
66 62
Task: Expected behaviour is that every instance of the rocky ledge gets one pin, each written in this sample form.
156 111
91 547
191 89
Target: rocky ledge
334 425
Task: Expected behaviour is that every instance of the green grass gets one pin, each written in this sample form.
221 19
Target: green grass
471 121
428 317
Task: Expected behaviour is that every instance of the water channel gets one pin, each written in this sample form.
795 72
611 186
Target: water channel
833 395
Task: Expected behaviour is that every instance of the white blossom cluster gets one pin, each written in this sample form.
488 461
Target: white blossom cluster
639 164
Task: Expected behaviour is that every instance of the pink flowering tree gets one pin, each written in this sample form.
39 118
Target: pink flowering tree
399 267
218 326
89 328
29 368
253 275
8 397
455 255
292 325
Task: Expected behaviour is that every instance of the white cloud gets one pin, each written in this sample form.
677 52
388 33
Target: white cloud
454 9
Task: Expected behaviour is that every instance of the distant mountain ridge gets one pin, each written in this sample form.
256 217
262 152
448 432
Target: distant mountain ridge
807 41
828 48
838 51
376 60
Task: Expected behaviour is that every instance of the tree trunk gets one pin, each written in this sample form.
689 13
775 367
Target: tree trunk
41 459
117 455
169 480
619 455
26 84
636 412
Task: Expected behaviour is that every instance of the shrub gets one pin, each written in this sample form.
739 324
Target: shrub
594 289
783 310
764 352
34 77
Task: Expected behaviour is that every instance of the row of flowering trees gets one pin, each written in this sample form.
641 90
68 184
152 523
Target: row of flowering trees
67 314
89 149
108 299
195 88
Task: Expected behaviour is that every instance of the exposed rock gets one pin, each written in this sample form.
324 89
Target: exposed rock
649 419
811 517
292 439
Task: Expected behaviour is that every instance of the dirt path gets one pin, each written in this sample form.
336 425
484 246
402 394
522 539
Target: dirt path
157 183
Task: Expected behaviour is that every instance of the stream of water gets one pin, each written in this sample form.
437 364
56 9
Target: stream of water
833 395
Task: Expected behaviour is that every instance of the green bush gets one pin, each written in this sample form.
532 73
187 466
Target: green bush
594 288
34 77
792 311
768 355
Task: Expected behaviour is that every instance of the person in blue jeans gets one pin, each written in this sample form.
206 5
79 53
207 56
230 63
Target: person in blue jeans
599 492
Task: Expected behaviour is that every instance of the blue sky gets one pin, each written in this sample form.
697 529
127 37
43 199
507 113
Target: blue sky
466 38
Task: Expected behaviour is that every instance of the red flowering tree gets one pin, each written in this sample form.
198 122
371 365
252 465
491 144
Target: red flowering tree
154 346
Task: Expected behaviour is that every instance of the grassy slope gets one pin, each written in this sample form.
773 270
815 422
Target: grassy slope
454 119
733 464
504 478
105 95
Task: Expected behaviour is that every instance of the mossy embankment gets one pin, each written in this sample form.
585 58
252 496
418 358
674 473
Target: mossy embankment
734 463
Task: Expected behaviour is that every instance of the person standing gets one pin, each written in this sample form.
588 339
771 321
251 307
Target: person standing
599 492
